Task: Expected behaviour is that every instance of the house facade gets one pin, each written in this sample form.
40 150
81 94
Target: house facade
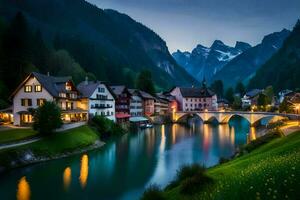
38 88
161 104
148 103
195 99
122 104
250 98
100 99
136 103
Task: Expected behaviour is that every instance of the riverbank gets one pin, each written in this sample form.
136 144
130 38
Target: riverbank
269 172
58 145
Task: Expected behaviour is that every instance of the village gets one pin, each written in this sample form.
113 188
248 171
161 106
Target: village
121 104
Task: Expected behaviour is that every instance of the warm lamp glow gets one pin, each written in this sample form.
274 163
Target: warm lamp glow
23 190
84 170
67 177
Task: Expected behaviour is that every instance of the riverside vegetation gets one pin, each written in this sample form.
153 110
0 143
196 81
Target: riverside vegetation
269 170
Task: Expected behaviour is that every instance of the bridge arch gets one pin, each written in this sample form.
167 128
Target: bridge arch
184 117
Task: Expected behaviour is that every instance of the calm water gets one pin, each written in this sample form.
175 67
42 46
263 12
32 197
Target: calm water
125 167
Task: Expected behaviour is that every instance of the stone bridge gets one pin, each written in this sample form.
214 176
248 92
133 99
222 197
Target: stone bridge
224 116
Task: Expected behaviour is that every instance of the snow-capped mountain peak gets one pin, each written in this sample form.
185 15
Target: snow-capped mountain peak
206 61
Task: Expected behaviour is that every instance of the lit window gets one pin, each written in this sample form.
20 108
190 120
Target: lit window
27 88
40 102
26 102
63 95
37 88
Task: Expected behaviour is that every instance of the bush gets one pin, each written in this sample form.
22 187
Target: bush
106 127
47 118
194 184
223 160
261 141
153 192
192 179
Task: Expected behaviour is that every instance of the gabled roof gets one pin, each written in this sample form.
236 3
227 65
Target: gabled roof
295 98
87 88
196 92
253 93
54 85
119 89
146 95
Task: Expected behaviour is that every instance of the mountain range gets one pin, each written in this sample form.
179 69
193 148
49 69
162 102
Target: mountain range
230 64
282 70
205 62
109 44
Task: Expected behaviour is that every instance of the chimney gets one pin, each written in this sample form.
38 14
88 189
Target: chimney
86 82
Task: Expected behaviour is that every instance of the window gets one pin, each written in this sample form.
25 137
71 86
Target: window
37 88
26 102
63 95
102 90
40 102
27 88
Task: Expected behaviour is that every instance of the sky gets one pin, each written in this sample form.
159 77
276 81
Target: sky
185 23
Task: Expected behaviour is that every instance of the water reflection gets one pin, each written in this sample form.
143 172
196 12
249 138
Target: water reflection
84 170
67 178
125 166
23 190
252 135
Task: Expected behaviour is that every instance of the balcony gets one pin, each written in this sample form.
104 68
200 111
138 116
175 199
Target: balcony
101 106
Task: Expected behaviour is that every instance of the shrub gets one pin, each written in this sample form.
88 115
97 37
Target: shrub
261 141
192 179
194 184
106 127
153 192
223 160
47 118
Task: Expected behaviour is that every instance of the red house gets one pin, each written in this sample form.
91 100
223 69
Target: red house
122 103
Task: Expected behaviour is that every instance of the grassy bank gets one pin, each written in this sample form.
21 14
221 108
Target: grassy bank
11 135
271 171
49 147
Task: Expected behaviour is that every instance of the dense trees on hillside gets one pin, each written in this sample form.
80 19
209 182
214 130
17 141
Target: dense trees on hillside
23 51
145 83
218 88
283 69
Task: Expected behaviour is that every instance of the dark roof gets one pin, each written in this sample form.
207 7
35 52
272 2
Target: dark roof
196 92
54 85
225 101
118 89
146 95
253 93
295 98
88 88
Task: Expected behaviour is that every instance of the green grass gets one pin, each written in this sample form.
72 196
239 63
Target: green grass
11 135
270 172
65 141
51 146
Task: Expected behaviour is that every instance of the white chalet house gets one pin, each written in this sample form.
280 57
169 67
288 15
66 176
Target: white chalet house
195 99
100 98
38 88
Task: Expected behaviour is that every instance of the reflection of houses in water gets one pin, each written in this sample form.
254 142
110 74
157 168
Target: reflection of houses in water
23 190
84 170
67 177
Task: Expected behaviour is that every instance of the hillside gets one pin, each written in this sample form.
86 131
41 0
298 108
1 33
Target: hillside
283 69
106 43
269 172
244 66
207 61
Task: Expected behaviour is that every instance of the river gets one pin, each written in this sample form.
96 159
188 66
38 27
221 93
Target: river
124 167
